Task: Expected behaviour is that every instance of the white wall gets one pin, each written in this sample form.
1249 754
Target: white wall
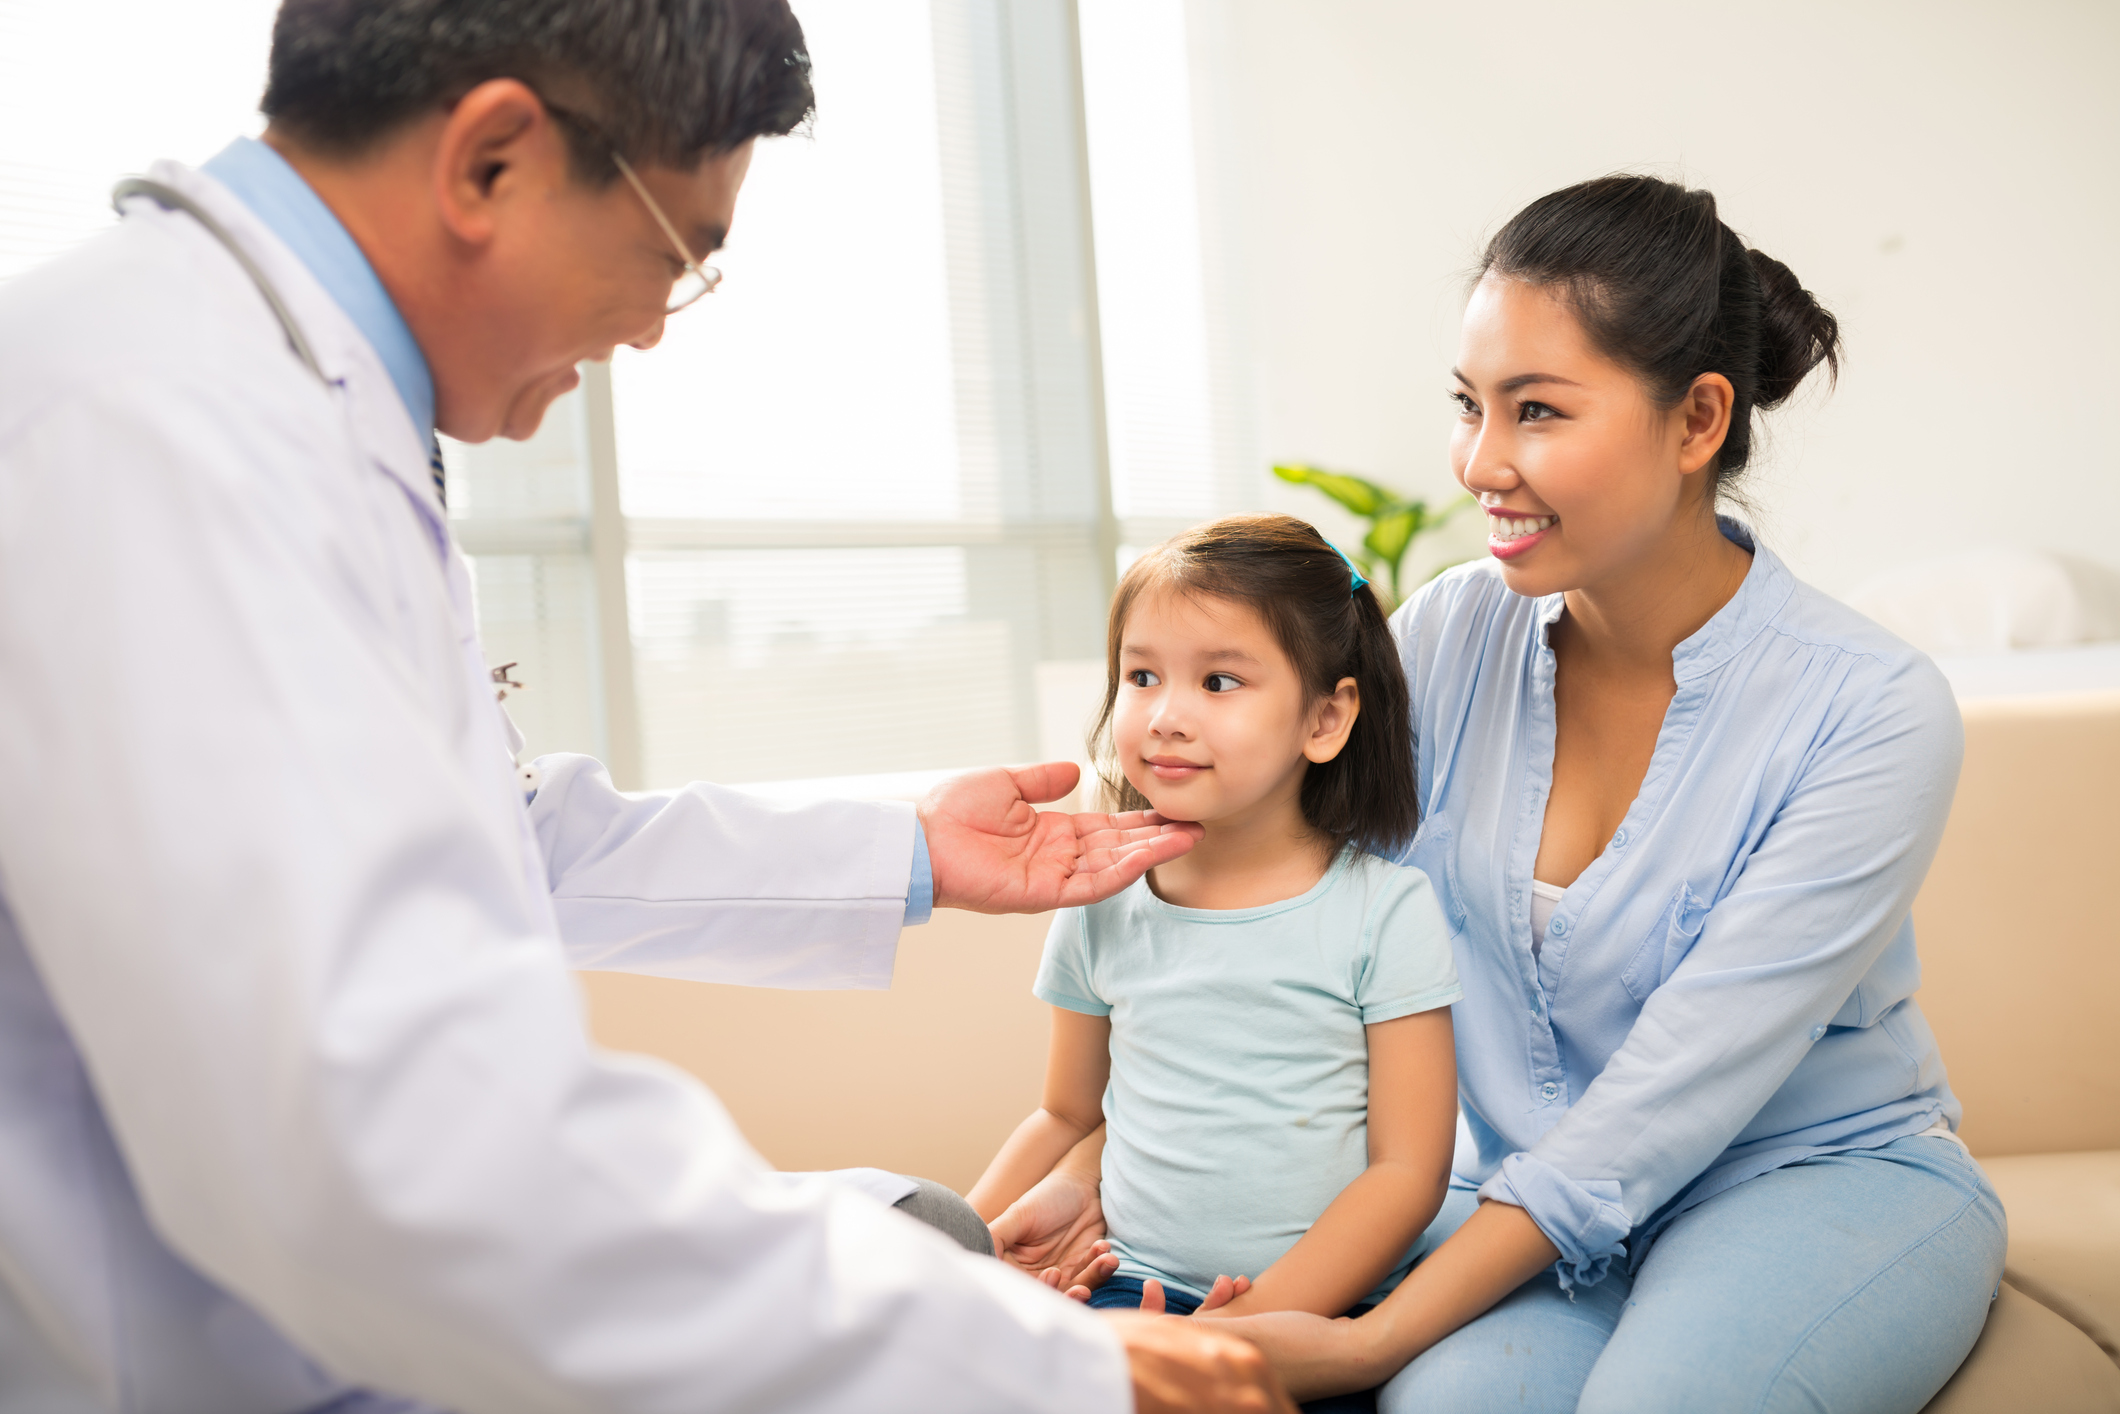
1943 174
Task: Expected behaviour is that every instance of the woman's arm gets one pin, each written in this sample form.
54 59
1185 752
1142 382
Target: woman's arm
1497 1250
1362 1235
1077 1065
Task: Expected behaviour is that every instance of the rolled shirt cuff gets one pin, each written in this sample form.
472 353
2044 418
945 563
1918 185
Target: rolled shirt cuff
1581 1216
920 889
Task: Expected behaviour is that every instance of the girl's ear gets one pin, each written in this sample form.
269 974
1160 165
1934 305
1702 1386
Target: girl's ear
1330 722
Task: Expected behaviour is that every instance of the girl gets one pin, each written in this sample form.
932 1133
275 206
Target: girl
1262 1023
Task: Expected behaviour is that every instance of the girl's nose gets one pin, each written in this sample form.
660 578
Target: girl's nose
1167 720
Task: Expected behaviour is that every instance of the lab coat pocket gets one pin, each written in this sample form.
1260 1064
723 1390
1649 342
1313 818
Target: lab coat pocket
1677 930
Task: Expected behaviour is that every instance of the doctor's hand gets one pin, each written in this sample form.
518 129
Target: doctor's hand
1192 1365
992 853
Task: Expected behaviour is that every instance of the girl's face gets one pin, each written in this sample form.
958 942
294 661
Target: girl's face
1580 474
1211 721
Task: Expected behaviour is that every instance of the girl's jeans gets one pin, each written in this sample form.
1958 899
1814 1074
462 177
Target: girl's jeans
1853 1281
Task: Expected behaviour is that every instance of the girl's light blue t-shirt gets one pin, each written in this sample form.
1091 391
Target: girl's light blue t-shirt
1238 1106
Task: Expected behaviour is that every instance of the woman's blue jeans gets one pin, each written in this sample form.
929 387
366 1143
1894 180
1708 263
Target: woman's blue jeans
1849 1282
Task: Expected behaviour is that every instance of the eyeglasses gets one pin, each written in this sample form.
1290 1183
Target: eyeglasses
697 279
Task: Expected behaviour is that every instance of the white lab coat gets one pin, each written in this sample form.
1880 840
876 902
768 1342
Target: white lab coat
294 1086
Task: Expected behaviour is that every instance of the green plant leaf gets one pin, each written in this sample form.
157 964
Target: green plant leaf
1364 498
1392 533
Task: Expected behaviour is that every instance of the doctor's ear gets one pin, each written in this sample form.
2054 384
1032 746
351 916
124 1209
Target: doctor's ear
497 143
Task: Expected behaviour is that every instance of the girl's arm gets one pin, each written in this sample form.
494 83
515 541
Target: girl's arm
1367 1229
1077 1065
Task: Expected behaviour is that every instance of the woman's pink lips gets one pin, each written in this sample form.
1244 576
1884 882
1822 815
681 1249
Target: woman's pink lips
1509 549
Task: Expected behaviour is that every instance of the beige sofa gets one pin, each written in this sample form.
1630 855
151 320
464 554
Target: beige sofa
2021 971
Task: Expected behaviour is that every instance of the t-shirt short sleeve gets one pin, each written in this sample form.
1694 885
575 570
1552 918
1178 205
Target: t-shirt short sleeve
1063 973
1408 967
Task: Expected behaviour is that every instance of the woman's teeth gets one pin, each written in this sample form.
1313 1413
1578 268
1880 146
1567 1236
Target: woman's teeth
1513 528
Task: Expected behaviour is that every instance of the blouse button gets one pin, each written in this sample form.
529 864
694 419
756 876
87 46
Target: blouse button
1559 928
1619 840
1548 1090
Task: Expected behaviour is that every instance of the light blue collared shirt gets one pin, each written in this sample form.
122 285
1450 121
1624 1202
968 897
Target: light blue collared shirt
276 194
1728 987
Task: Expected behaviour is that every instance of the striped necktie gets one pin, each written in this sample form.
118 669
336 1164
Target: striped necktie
434 465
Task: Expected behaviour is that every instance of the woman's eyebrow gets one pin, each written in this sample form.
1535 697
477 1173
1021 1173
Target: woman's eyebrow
1522 380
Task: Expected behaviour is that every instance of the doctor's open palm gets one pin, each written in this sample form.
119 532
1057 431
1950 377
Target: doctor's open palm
993 853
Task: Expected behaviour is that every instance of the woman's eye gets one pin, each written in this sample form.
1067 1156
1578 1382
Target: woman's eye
1222 682
1535 412
1142 677
1466 406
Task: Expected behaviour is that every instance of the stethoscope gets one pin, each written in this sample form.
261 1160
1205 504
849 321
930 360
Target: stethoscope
171 199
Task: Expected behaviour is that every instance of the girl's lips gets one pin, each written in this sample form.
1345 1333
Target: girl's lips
1175 770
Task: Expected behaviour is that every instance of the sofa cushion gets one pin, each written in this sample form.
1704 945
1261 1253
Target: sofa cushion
2018 970
2065 1235
2028 1358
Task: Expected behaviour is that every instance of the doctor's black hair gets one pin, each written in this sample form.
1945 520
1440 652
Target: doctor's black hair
1293 579
1665 289
665 81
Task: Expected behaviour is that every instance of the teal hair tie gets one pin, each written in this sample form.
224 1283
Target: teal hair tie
1353 569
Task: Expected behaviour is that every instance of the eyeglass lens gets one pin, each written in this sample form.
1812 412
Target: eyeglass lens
696 282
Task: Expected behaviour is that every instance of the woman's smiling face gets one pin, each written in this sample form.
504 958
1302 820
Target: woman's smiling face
1579 472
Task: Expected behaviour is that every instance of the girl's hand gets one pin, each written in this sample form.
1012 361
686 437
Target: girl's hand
1056 1233
1224 1291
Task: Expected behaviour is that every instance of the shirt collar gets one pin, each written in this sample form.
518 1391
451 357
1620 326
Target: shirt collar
263 181
1767 586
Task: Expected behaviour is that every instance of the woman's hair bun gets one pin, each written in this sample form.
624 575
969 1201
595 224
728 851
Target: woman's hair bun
1667 290
1796 332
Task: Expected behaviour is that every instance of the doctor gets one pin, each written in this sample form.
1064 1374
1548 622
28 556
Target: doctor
296 1107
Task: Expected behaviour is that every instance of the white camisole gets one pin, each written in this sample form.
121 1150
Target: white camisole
1545 898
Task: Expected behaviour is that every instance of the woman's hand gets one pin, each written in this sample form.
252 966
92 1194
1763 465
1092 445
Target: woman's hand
1316 1355
1056 1233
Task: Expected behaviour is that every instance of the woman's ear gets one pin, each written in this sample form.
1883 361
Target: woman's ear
1330 722
1706 413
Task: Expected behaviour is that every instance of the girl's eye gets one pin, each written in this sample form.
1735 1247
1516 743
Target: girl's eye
1222 682
1142 677
1535 412
1466 406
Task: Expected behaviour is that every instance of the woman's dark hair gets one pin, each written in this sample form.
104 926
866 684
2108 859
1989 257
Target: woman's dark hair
1287 573
1665 289
667 81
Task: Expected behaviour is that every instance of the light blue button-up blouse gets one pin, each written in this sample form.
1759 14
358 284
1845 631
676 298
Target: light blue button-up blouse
1728 987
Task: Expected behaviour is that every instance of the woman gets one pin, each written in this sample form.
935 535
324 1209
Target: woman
1677 806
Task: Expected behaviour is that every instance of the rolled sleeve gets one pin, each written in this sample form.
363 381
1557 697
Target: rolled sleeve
1582 1217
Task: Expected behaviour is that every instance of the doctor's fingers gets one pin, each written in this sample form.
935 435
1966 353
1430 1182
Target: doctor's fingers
1114 843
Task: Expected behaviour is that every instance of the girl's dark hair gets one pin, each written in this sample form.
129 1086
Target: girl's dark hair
1665 289
1290 575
